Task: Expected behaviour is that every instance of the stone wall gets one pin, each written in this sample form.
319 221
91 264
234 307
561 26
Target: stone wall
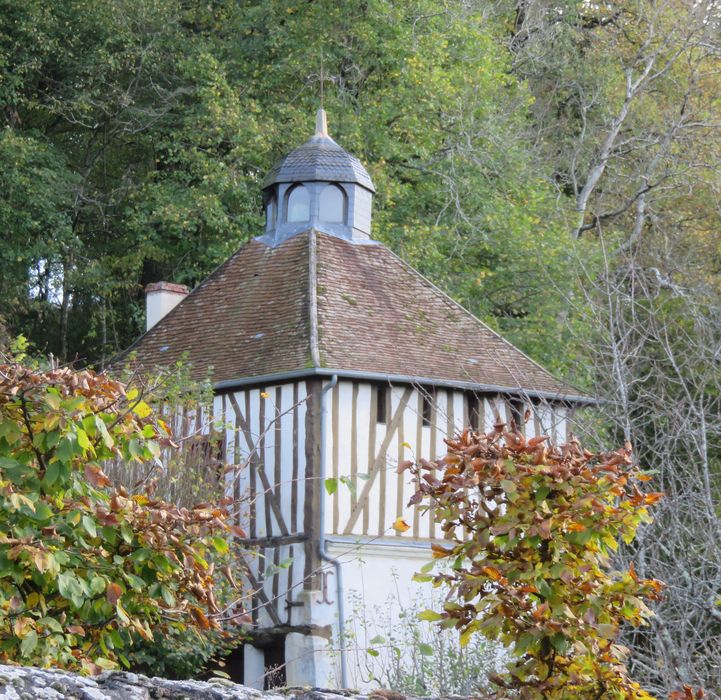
25 683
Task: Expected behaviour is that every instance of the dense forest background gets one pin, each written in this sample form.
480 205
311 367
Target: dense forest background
553 164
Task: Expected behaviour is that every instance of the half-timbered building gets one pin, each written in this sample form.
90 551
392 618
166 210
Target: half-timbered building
332 361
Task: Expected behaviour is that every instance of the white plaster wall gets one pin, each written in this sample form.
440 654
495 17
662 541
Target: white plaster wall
378 588
262 442
265 439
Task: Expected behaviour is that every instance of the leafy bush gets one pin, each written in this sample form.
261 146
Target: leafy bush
181 653
190 469
531 531
85 568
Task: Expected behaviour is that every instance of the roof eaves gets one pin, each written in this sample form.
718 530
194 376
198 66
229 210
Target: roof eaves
280 377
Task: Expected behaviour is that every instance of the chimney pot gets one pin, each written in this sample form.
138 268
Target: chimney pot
160 299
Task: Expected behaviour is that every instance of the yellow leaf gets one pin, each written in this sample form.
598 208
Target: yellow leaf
53 400
466 637
407 445
401 525
142 409
264 395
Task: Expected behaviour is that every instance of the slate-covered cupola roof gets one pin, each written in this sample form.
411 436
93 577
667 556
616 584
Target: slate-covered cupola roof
320 158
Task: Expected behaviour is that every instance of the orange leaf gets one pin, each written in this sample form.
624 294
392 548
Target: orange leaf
632 572
401 525
439 552
113 593
492 572
535 441
238 531
540 611
200 618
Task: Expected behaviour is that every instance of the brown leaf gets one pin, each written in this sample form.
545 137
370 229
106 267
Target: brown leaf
406 464
226 571
243 619
498 680
417 497
544 529
200 618
113 593
238 532
96 477
439 552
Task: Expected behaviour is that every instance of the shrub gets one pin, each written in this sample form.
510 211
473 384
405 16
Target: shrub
86 568
532 529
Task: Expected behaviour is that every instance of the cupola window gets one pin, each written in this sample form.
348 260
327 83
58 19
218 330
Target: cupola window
297 205
332 205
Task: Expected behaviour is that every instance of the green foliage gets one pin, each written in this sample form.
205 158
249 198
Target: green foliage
531 532
180 654
85 568
191 469
183 652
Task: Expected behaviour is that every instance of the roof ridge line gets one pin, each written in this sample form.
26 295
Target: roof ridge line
460 306
313 297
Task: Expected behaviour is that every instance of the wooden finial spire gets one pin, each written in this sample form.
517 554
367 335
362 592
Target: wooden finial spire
321 123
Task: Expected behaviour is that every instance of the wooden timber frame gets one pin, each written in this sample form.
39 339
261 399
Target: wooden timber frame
276 432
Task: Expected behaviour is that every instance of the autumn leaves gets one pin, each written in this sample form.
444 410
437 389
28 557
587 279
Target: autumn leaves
531 530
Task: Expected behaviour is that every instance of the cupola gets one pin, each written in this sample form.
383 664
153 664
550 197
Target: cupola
318 185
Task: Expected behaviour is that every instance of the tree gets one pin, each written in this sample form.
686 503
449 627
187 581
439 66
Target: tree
531 530
626 112
86 568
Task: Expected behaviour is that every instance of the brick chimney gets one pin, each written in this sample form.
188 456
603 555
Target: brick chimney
160 299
